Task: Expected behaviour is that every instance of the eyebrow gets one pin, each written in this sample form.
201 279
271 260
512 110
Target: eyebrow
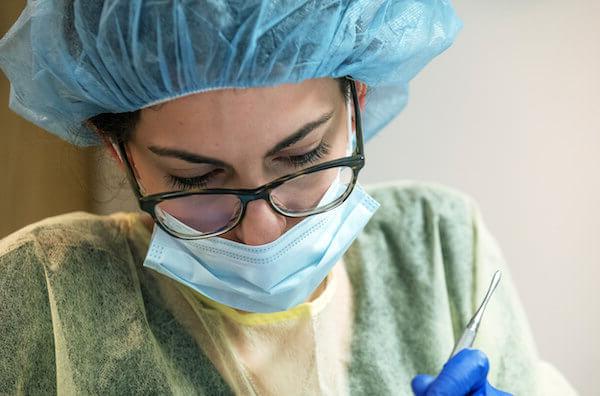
187 156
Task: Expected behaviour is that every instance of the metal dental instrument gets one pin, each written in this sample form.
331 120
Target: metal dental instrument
468 337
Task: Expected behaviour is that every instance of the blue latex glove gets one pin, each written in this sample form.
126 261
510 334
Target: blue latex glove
464 374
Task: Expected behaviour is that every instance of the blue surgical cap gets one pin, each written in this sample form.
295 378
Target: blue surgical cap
68 60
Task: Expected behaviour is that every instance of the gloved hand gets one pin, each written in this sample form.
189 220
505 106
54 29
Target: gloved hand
464 374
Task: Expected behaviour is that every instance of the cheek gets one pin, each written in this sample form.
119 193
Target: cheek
292 222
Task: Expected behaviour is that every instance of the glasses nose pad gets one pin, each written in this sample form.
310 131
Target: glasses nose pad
275 201
236 212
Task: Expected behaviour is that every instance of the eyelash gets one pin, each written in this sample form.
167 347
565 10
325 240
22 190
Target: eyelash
182 183
296 161
309 158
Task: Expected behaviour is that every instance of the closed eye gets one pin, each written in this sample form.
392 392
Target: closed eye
296 161
184 183
308 158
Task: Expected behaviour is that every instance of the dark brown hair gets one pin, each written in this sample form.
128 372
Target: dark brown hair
118 127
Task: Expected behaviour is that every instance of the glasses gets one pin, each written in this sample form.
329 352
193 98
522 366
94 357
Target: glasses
203 213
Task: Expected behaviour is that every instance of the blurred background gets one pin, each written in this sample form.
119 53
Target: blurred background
509 115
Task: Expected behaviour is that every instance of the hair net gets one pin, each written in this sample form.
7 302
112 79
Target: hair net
68 60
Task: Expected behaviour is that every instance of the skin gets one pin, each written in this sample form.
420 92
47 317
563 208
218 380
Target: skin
239 127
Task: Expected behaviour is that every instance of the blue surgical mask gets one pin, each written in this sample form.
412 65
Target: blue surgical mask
265 278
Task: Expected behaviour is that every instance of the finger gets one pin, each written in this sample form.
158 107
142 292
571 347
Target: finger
420 383
464 373
496 392
489 390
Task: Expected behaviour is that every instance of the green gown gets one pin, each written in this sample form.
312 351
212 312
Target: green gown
79 314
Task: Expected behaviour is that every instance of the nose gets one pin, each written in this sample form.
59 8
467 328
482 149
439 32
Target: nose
260 224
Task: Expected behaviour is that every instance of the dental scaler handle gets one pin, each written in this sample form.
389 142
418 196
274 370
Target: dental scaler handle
468 336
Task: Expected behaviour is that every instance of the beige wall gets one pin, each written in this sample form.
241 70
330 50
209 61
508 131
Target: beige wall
41 175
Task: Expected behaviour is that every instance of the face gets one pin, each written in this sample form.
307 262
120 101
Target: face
241 138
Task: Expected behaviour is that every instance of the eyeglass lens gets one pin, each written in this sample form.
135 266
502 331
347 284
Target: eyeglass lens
210 213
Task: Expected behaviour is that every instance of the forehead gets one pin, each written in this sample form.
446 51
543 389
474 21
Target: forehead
230 116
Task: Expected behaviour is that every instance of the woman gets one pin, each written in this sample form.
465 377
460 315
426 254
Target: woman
259 264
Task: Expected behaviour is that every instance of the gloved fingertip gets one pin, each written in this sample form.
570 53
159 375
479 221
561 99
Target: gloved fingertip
481 356
477 361
420 383
496 392
464 373
488 390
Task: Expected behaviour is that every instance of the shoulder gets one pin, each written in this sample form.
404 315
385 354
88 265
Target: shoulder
419 206
410 193
70 249
50 239
58 246
66 228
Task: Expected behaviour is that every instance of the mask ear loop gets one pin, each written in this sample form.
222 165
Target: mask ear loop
351 131
134 170
116 150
